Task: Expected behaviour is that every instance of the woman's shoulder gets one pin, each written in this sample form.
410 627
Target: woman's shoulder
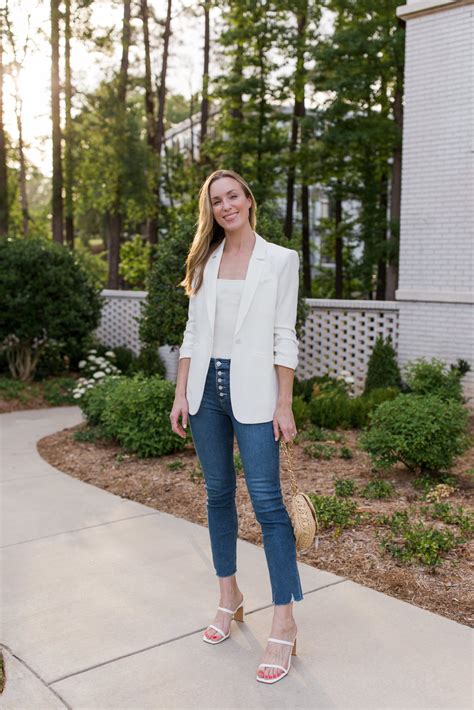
280 254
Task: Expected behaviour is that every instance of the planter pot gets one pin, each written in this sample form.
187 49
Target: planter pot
170 356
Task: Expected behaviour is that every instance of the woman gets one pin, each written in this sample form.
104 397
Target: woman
235 377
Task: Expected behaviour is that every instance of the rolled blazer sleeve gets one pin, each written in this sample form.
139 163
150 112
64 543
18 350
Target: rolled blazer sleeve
190 330
285 343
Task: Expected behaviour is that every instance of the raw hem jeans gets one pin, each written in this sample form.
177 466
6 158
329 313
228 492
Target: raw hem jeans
213 428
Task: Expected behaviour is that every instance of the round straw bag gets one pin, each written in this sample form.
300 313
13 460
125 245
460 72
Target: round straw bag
302 512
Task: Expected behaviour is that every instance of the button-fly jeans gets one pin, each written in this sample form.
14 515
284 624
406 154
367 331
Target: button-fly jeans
213 428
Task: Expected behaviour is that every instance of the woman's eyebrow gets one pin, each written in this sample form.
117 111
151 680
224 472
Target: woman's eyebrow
216 197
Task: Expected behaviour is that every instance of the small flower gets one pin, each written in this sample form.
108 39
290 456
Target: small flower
82 364
77 395
110 353
98 375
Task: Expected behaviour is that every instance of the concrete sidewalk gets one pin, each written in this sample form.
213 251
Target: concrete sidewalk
104 602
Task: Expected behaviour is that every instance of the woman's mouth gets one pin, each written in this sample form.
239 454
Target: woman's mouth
230 217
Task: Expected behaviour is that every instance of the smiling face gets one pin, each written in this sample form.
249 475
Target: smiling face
230 206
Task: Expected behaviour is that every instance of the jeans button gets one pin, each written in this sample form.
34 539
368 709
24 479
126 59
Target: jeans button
221 394
219 373
218 363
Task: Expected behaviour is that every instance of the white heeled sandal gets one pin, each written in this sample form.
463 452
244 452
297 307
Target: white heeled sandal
275 665
238 615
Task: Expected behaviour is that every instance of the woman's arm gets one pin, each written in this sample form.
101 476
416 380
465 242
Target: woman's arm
286 346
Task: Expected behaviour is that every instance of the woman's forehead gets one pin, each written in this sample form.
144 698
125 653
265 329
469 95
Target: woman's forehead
223 185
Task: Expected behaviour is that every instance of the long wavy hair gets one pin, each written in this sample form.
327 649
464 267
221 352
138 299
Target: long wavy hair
209 233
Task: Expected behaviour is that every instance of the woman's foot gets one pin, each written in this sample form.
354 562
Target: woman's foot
277 652
222 619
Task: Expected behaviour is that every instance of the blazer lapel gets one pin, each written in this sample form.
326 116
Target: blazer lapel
254 270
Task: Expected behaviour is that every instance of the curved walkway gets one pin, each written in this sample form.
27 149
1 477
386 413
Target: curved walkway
104 601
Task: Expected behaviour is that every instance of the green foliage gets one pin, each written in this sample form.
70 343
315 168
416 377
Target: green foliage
136 414
134 266
448 514
175 465
345 453
13 389
149 362
124 357
429 480
434 377
59 391
344 487
336 408
300 412
411 542
332 511
316 433
238 465
424 432
96 400
45 296
88 434
319 451
165 312
378 490
382 369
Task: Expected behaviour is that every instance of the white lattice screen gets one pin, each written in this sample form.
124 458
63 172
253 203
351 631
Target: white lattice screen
118 325
338 335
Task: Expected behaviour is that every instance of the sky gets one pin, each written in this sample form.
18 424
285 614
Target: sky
30 18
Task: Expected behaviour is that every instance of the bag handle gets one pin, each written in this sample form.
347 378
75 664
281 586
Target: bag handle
288 449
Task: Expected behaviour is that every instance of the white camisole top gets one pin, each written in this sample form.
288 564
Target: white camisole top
228 296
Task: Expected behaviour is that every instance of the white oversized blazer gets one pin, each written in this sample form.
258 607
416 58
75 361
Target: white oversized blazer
264 333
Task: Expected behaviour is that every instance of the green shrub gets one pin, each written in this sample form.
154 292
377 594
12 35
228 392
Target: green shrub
344 487
137 415
382 368
448 514
335 512
59 391
124 358
95 400
316 433
410 542
330 410
46 296
149 363
434 377
425 433
377 489
319 451
345 453
300 412
338 409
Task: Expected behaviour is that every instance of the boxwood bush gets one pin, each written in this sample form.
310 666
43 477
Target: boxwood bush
424 432
134 411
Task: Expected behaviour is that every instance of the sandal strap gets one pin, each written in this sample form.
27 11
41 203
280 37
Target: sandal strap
217 629
288 643
273 665
229 611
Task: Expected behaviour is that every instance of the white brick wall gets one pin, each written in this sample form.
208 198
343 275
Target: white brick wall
437 218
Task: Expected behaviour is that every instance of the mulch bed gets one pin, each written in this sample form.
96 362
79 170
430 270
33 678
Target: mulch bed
354 552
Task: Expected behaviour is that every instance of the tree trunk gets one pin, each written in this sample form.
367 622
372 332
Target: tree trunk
205 76
338 254
57 187
116 218
161 105
68 159
298 113
4 218
151 225
396 185
382 260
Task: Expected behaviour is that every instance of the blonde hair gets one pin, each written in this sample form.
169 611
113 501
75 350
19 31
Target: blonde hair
209 234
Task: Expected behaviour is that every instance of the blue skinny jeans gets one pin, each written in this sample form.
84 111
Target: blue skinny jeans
213 428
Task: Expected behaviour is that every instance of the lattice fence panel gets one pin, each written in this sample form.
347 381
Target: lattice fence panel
118 325
339 335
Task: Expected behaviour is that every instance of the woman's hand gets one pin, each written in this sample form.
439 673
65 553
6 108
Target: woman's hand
180 407
283 419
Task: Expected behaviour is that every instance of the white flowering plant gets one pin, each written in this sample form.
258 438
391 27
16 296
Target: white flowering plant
346 377
94 368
